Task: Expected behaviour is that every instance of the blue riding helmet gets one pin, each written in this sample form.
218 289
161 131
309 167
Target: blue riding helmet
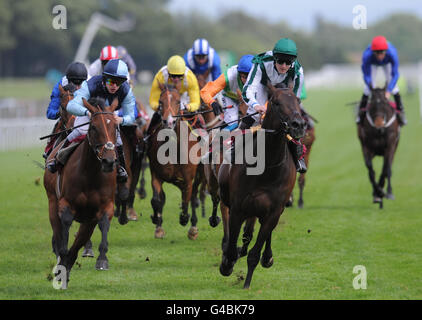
116 68
201 46
245 63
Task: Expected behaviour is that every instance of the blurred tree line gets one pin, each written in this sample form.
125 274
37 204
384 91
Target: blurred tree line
29 45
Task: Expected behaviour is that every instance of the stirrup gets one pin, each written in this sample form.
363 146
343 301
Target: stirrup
301 166
121 175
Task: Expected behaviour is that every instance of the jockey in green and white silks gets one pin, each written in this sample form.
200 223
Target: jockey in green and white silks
281 68
255 92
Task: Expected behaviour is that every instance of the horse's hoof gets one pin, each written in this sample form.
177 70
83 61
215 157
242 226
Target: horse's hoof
300 204
377 200
193 233
132 215
184 219
88 253
267 264
390 196
290 202
159 233
101 265
214 221
123 219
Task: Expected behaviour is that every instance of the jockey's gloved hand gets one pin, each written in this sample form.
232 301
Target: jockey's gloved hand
216 108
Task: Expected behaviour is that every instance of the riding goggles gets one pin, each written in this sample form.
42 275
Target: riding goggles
176 76
117 81
288 60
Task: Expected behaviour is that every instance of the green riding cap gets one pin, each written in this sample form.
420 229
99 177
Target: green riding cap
286 46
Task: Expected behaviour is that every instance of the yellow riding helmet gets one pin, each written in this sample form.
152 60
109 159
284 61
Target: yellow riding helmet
176 65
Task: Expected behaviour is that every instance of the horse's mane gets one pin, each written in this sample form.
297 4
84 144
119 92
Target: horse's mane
97 101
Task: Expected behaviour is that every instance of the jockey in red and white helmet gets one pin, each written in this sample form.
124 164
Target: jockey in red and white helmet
107 53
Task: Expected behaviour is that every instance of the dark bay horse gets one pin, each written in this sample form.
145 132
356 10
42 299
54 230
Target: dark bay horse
263 196
84 189
379 135
177 173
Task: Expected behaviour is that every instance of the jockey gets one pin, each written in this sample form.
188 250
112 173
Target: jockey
76 73
281 67
175 73
131 65
107 53
110 85
229 84
201 57
381 53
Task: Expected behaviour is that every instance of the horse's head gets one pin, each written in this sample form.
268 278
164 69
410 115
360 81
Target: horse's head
169 103
283 112
66 94
102 131
379 108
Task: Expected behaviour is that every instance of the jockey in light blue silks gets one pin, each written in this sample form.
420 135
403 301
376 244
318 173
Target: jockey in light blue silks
201 57
110 85
381 53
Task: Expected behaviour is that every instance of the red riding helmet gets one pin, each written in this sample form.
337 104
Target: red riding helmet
109 53
379 43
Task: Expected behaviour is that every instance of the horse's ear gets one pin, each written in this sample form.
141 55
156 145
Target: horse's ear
114 104
89 106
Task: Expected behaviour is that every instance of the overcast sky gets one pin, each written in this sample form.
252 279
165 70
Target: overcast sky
301 14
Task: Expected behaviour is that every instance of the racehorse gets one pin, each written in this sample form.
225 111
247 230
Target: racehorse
84 189
176 173
379 135
265 195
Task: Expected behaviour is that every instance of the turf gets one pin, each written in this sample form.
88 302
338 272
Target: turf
315 249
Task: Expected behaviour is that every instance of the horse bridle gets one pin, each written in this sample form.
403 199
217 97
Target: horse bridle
387 123
99 148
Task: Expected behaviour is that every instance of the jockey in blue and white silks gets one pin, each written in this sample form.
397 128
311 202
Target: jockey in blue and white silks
381 54
110 85
202 57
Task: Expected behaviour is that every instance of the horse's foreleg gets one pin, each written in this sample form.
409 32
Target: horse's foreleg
264 235
301 181
225 216
157 203
230 253
55 224
247 235
377 192
104 226
66 218
141 191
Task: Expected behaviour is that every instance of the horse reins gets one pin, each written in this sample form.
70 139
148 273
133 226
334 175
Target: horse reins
108 145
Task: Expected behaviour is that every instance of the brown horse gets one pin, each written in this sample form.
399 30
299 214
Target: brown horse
263 196
84 189
174 172
379 135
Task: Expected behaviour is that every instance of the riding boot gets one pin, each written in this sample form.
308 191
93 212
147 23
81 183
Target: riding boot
362 107
121 170
400 115
53 164
297 152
